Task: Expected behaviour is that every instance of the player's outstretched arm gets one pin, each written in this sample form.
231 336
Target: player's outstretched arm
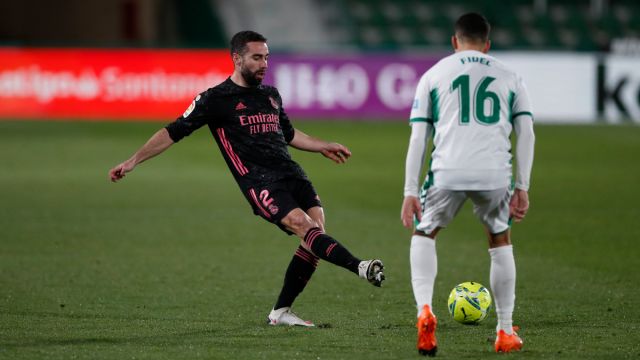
159 142
334 151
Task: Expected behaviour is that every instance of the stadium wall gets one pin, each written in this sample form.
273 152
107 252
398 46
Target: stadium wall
160 84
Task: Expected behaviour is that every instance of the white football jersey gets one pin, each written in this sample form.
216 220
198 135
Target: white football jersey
471 99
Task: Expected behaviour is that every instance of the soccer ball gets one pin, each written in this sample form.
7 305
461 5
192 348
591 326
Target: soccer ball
469 302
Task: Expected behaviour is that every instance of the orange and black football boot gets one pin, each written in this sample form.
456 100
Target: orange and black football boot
427 322
508 343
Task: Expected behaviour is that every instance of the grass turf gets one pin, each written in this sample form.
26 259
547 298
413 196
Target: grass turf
170 263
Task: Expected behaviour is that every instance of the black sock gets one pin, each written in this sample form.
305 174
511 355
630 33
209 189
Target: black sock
329 249
300 269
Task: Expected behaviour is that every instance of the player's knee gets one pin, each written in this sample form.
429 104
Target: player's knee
299 223
502 238
317 216
431 234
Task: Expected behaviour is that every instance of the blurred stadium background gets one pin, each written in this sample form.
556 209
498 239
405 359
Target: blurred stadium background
565 25
336 58
168 264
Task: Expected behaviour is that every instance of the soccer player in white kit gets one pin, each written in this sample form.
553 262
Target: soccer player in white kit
468 103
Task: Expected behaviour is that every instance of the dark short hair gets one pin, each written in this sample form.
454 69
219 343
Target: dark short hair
239 41
473 27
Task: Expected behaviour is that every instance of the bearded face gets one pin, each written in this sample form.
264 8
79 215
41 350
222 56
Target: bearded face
253 63
253 78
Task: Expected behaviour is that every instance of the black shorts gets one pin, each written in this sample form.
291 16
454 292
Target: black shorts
274 201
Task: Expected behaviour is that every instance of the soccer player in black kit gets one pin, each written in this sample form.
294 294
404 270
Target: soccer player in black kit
252 130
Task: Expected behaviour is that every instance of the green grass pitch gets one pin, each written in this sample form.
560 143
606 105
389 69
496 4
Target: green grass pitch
171 264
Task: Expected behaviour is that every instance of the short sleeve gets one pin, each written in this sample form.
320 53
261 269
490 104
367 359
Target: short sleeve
193 118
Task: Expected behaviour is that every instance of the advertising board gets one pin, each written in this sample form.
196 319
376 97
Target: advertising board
160 84
105 84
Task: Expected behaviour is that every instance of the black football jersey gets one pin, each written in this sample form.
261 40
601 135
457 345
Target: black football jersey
251 128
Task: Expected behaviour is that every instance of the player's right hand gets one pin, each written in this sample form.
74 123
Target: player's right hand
410 209
119 171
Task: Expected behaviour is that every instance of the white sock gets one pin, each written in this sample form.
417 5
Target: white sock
424 268
503 284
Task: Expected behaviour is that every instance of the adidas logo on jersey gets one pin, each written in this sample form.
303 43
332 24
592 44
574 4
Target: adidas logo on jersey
241 106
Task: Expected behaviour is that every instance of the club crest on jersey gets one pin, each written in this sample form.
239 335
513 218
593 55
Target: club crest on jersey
191 107
274 103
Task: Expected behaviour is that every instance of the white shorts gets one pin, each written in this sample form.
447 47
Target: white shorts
440 206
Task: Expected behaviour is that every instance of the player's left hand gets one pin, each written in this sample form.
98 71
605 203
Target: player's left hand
519 204
411 209
336 152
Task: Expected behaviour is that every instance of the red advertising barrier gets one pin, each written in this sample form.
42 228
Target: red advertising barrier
105 84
